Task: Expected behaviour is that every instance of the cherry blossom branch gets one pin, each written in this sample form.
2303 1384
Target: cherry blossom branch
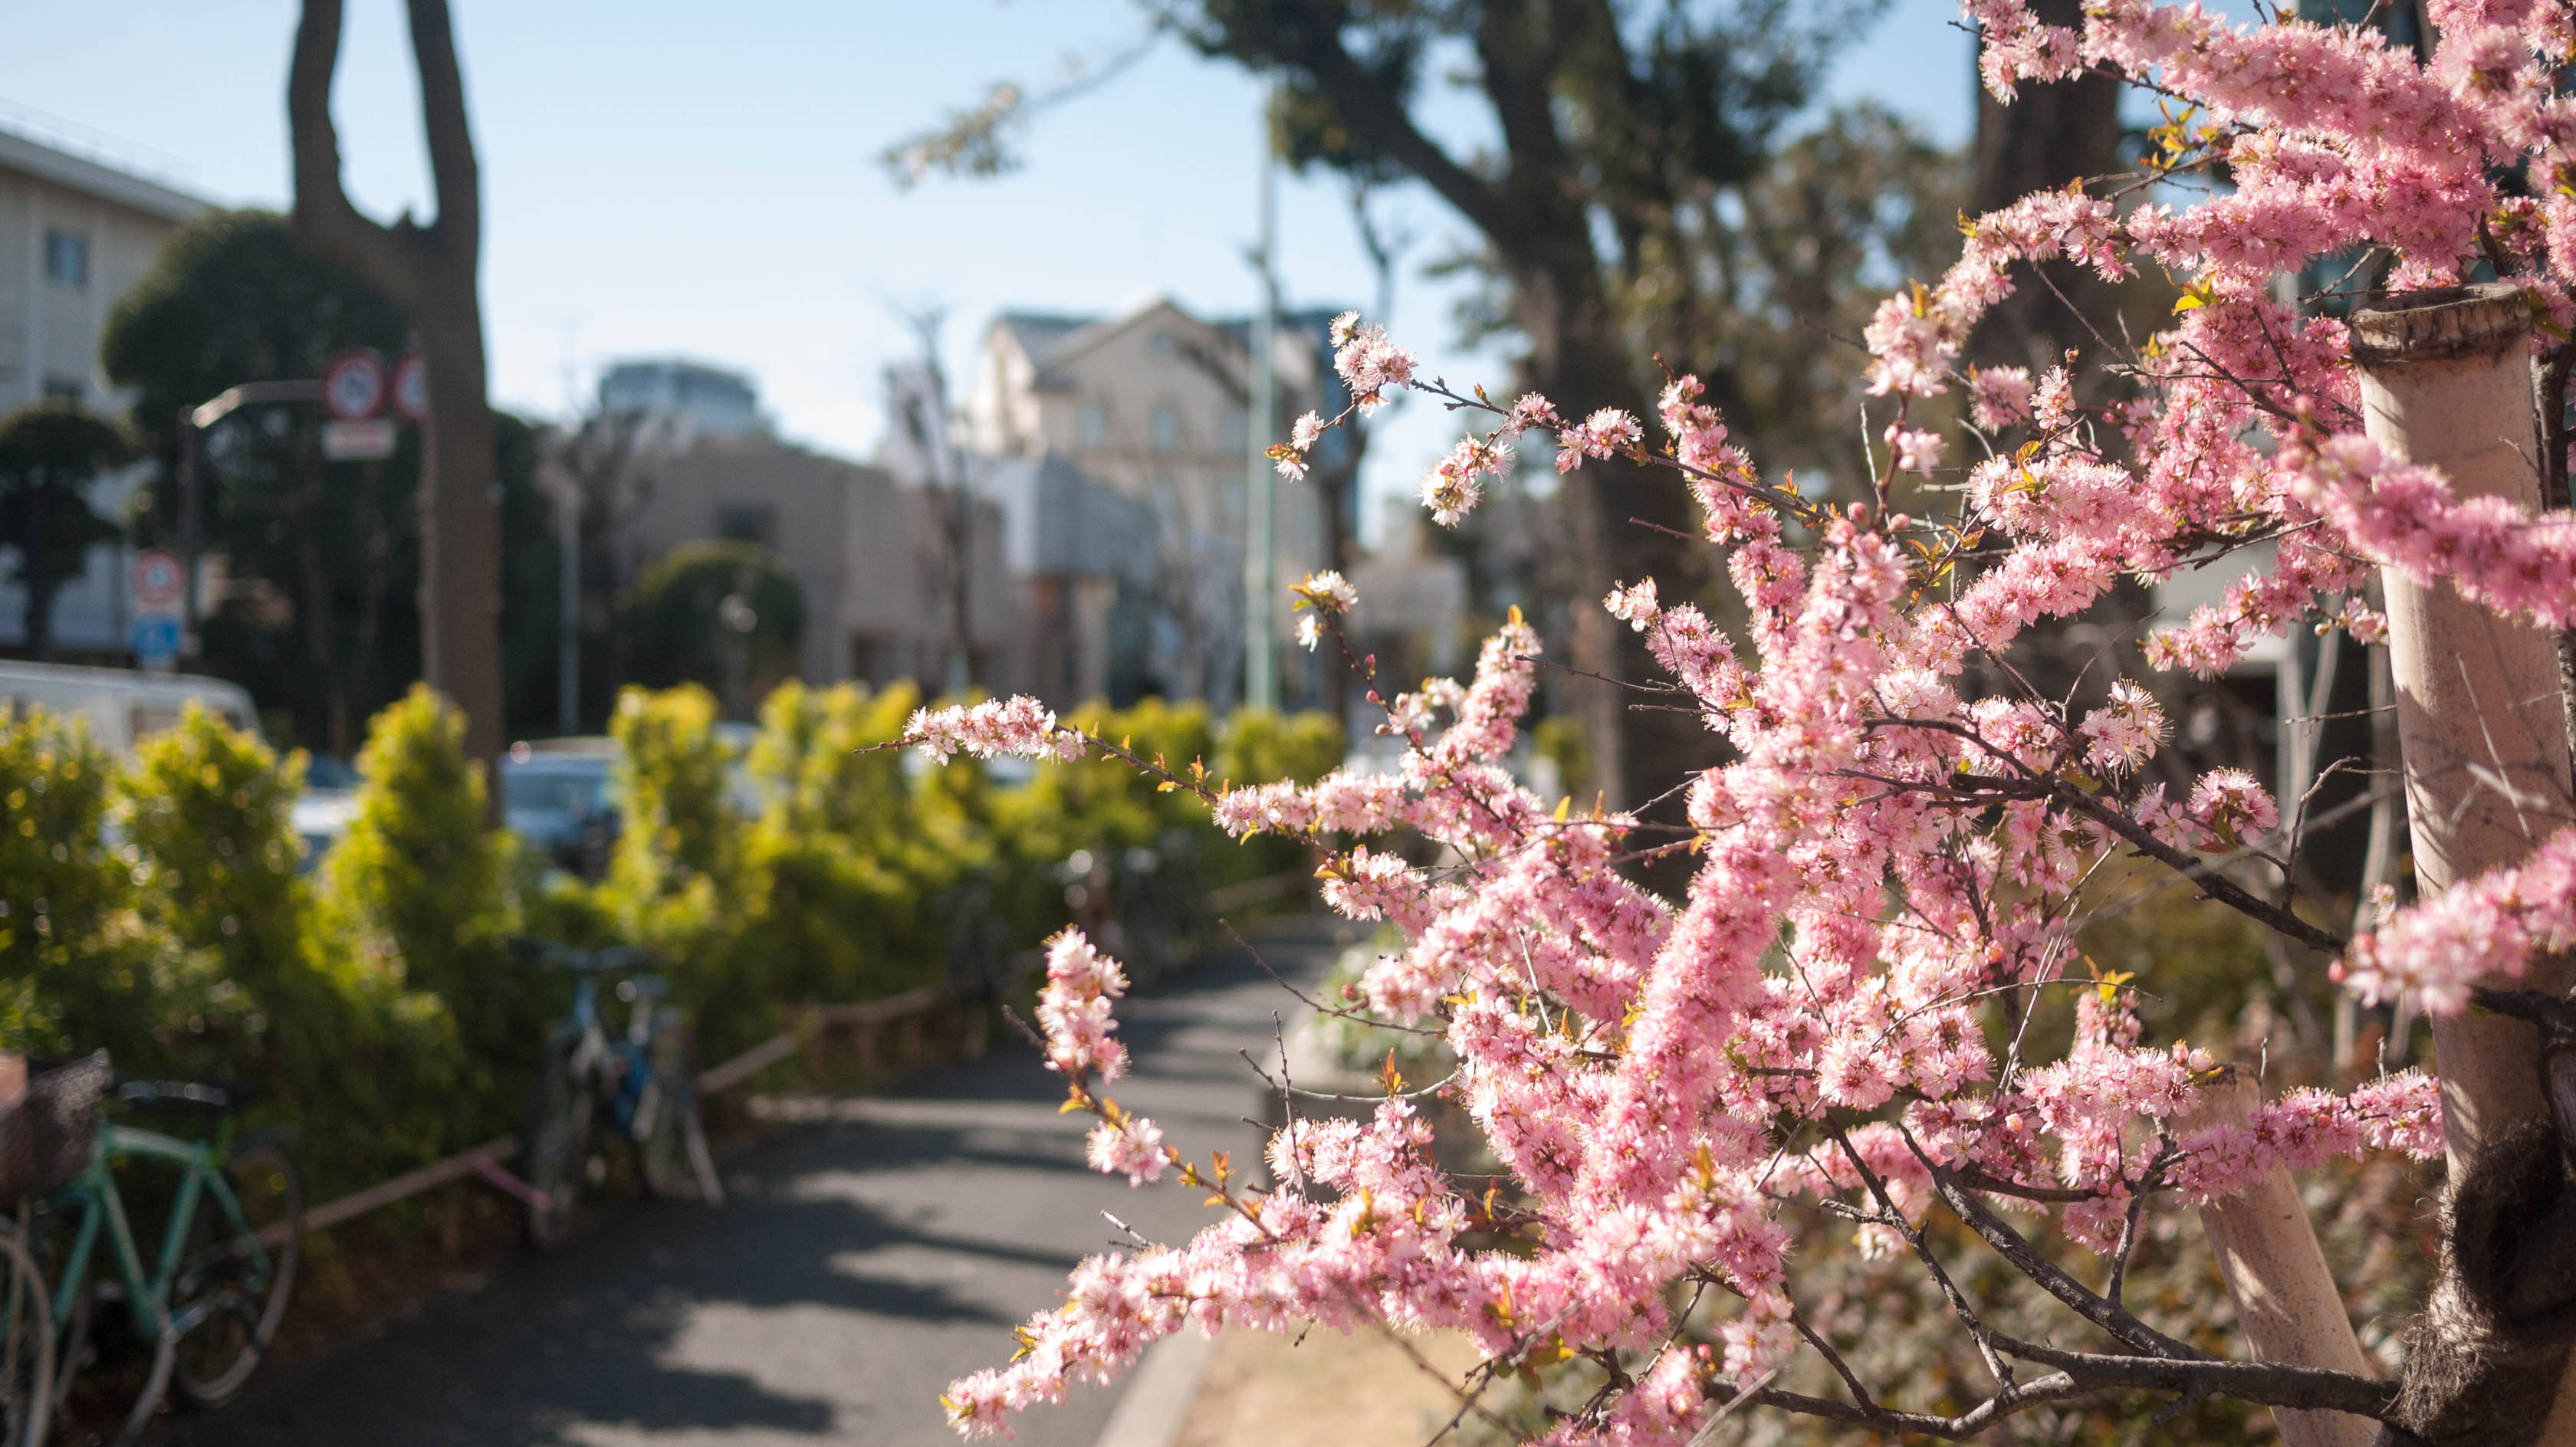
2016 1249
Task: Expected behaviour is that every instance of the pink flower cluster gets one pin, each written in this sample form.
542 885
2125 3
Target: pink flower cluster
1022 727
1082 987
1368 363
2494 925
1886 852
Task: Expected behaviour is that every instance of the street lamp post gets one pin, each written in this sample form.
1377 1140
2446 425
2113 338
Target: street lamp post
193 422
1260 587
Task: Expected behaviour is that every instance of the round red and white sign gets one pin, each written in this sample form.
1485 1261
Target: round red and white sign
411 388
354 385
158 579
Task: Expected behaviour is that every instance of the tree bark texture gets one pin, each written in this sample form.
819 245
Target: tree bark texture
432 271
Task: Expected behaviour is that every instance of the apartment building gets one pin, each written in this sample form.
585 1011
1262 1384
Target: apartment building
76 234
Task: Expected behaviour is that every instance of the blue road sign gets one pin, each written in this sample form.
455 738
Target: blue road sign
156 640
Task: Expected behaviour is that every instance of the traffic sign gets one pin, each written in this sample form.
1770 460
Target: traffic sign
156 641
368 439
353 387
411 388
159 580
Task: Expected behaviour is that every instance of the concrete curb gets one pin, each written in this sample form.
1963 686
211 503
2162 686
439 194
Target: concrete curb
1161 1391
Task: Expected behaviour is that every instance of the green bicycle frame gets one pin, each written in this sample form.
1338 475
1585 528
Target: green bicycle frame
103 1212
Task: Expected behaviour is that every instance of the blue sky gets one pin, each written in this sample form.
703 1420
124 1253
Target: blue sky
701 180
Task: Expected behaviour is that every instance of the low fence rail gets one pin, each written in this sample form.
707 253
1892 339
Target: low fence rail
809 1029
808 1022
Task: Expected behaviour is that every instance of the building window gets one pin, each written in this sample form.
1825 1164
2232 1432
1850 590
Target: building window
66 390
66 256
1165 494
1095 425
748 522
1233 431
1162 344
1167 429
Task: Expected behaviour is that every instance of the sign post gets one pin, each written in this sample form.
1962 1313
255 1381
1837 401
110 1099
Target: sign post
158 583
355 390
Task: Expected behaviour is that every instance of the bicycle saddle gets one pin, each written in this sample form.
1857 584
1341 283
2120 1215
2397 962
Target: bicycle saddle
187 1094
643 987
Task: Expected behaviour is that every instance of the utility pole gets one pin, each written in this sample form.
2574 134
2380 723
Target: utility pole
568 606
1260 588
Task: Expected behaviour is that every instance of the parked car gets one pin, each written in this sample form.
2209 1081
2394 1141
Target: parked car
561 796
122 706
321 814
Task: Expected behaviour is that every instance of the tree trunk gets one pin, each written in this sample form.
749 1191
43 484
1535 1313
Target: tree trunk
36 571
460 522
1628 523
2048 136
432 271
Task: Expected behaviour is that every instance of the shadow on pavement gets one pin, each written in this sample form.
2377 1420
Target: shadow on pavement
861 1264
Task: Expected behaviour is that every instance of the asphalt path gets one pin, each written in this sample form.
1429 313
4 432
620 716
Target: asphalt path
870 1254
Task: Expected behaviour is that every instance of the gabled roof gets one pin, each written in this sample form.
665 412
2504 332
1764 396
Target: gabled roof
1039 333
1106 329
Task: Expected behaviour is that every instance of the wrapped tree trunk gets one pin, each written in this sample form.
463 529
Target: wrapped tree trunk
2445 382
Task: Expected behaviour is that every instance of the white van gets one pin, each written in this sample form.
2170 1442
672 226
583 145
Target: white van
121 705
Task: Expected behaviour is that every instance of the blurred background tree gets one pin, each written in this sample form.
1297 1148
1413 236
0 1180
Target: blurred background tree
726 615
322 559
49 454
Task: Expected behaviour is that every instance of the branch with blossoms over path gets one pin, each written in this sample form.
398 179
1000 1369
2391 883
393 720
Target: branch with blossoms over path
1892 866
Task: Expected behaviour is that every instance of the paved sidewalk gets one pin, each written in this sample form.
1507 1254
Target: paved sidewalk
867 1259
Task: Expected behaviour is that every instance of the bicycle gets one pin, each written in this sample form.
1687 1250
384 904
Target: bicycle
210 1301
643 1086
47 1132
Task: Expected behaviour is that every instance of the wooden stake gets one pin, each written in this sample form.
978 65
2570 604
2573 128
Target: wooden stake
2276 1272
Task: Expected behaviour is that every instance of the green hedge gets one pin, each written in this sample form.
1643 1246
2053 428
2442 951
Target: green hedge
156 908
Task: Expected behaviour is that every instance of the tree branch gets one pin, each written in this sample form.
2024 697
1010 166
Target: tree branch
2055 1387
2270 1383
323 220
1367 106
455 175
2212 884
2014 1248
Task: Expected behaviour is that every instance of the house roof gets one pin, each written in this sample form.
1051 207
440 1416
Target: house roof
90 178
1038 333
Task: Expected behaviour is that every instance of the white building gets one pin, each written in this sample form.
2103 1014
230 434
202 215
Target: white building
76 234
1152 404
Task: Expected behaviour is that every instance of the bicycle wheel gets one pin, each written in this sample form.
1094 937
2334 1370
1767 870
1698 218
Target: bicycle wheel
105 1390
26 1345
231 1288
555 1151
110 1396
672 1156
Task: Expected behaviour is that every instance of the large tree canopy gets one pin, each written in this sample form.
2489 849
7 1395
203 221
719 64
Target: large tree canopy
323 618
